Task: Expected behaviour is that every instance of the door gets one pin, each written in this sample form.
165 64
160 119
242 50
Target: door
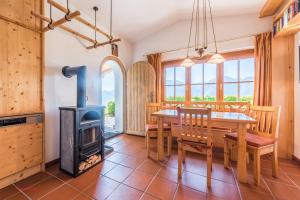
141 80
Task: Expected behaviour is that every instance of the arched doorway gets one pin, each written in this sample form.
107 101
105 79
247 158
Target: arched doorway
112 95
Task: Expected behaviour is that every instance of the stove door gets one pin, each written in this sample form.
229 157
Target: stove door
90 141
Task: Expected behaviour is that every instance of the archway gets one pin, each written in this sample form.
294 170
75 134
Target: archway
112 95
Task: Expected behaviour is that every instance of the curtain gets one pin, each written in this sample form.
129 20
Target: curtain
263 69
155 61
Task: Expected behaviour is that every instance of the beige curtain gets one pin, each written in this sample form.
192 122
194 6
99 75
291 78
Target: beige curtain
263 69
155 61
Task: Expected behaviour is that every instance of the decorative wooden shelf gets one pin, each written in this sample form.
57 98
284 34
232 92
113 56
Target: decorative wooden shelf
282 10
288 30
270 8
292 27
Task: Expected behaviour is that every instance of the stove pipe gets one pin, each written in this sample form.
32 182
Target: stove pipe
81 82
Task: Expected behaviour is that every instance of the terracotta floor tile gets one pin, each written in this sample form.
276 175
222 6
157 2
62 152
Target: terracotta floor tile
148 197
223 190
62 193
162 189
18 196
248 194
124 192
42 188
149 167
222 174
8 191
295 178
295 169
119 173
132 162
262 188
84 180
102 188
283 191
139 180
103 167
82 197
194 181
282 177
185 193
169 173
116 157
55 171
32 180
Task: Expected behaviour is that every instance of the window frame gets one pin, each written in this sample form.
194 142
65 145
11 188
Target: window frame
237 55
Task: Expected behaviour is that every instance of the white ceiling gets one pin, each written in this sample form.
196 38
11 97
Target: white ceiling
136 19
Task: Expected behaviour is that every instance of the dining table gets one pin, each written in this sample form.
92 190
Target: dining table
232 120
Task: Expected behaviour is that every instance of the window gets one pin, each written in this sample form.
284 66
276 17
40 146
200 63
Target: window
175 83
239 80
232 80
204 82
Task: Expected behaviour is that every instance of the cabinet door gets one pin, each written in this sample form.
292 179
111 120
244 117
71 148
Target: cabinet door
141 80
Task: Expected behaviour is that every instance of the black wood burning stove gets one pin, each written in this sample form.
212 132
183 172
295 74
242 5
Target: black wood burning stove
81 130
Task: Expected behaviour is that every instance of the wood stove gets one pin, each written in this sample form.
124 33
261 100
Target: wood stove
81 129
81 138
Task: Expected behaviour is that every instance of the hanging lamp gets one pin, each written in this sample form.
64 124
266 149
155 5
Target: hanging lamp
195 19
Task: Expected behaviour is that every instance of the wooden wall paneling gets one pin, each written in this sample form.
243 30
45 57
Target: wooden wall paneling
20 148
141 80
19 11
283 92
21 67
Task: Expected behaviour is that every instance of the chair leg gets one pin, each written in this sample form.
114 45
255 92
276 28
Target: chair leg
256 167
148 144
275 162
183 156
180 150
226 154
170 144
209 167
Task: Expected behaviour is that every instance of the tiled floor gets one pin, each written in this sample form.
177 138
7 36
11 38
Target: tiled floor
127 174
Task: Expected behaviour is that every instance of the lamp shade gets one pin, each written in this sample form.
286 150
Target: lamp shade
187 62
216 59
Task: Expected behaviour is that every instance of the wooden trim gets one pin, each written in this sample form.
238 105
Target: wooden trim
270 8
296 159
51 163
228 56
103 43
123 69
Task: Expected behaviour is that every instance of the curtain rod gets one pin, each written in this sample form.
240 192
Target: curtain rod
220 41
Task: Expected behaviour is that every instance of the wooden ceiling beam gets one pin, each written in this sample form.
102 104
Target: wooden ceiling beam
81 20
61 21
104 43
46 19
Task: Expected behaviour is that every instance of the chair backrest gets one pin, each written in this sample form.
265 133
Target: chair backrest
267 120
151 108
221 106
217 106
195 125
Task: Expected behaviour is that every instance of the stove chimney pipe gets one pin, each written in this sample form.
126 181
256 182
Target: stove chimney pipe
81 82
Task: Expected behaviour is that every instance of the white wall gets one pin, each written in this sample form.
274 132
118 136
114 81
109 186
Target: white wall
61 49
176 36
297 99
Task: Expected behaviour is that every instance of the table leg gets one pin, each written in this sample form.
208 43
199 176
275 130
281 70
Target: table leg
242 153
160 140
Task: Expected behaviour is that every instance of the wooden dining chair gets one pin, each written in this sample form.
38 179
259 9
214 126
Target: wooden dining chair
152 127
261 138
195 136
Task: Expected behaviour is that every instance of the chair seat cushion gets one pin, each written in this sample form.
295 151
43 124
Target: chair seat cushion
252 139
154 127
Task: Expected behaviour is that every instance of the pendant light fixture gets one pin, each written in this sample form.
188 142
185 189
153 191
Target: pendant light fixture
195 20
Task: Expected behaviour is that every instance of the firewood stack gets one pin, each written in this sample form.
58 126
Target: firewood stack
91 161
